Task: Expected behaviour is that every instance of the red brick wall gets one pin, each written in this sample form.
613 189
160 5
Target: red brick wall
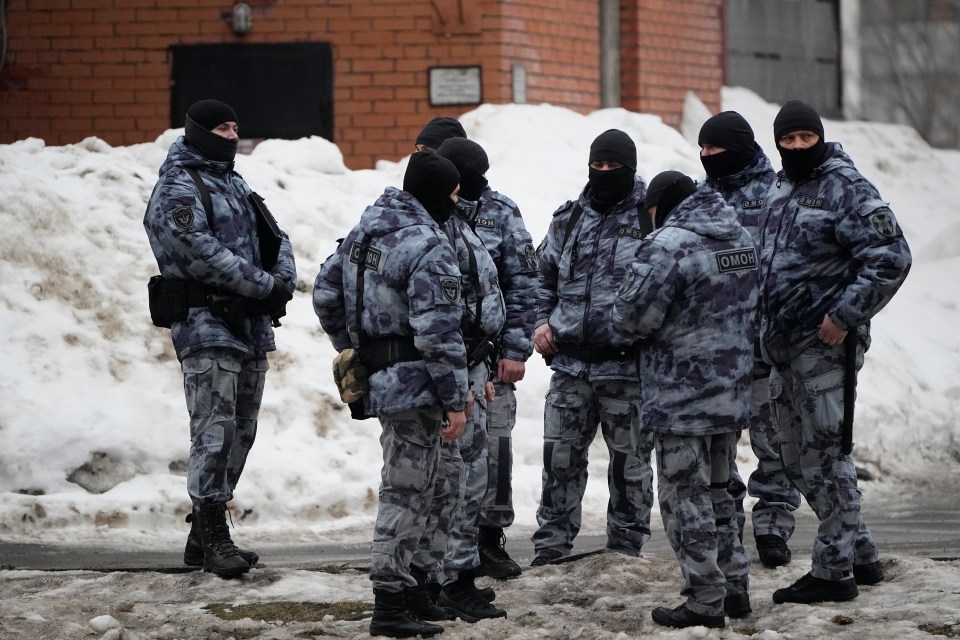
78 68
670 48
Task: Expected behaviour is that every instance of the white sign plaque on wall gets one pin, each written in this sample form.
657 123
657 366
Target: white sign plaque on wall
455 85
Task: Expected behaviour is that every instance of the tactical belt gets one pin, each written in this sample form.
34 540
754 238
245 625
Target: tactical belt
196 294
597 354
380 353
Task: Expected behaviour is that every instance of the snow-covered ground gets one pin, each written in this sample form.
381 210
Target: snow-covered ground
93 428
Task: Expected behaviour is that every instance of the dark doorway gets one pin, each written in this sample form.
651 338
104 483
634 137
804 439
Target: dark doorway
278 90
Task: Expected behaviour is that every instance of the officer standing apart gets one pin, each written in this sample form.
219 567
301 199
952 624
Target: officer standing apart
832 256
497 221
583 258
409 332
738 168
691 297
203 229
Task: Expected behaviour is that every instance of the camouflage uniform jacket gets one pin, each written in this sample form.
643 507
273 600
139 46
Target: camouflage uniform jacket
411 288
226 257
482 302
746 191
692 296
496 220
579 278
830 245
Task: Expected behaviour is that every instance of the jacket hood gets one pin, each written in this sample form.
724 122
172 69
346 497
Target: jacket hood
707 214
182 154
393 210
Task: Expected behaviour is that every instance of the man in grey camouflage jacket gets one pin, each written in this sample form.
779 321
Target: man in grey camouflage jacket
691 297
832 256
738 168
583 258
409 333
497 221
217 255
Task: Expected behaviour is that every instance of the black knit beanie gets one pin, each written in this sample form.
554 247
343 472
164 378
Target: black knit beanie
431 179
471 161
729 130
438 130
796 115
667 190
204 116
614 145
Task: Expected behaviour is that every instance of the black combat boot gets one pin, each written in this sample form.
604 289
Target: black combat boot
682 617
193 551
773 551
422 599
462 598
494 560
392 619
868 574
737 606
220 556
809 589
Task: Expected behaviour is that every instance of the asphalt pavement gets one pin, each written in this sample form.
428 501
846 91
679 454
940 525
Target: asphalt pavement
916 520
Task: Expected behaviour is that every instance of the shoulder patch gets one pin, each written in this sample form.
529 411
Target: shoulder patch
756 203
882 221
530 255
636 234
183 217
450 288
374 256
736 259
489 223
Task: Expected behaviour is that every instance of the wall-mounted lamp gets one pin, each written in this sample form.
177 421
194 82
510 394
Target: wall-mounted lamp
242 18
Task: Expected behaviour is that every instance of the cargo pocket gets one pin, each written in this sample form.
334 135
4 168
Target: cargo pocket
197 385
823 408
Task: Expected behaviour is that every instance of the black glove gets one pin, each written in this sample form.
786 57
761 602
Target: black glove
274 304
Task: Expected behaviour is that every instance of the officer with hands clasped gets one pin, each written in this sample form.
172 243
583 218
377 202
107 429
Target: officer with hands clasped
690 297
226 270
583 258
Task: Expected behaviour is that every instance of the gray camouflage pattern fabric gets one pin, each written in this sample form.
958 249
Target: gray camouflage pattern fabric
479 285
223 390
410 441
699 517
447 496
691 297
226 257
579 280
807 399
830 245
412 288
573 409
497 508
777 498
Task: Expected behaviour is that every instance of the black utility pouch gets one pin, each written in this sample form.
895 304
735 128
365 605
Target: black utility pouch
168 301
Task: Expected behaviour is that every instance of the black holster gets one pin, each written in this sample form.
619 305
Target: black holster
478 350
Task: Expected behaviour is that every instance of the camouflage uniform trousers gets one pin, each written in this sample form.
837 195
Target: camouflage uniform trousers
223 390
497 508
447 497
462 552
807 400
572 412
699 517
777 498
411 456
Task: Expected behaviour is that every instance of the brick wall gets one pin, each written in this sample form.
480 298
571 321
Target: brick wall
77 68
670 48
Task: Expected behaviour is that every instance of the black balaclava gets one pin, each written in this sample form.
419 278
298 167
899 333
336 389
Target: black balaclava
431 179
204 116
799 116
438 130
471 161
667 190
729 130
610 187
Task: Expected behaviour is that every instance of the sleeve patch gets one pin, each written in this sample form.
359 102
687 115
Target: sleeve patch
882 221
530 255
450 288
183 217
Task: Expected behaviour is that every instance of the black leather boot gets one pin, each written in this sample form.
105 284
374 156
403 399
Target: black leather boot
392 619
220 556
462 598
193 551
681 617
494 559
